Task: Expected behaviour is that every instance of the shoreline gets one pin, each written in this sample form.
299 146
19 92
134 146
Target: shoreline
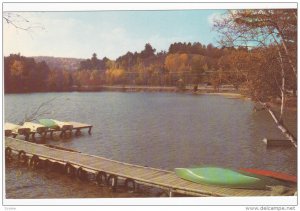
136 88
225 91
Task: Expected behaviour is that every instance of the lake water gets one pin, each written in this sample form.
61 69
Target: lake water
161 130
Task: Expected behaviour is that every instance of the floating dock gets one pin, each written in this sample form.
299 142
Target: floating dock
31 129
277 142
103 169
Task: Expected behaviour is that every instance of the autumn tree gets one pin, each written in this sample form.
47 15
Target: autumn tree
237 64
268 33
115 76
177 62
198 65
148 51
218 78
23 74
92 64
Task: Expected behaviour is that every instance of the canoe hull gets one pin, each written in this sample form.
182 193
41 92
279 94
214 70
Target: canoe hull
273 174
219 177
49 123
63 125
55 124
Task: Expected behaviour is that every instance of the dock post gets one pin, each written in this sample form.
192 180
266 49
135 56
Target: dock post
101 178
170 193
131 188
70 133
90 130
8 133
51 134
22 157
62 133
26 136
44 135
8 153
114 182
34 162
33 136
78 132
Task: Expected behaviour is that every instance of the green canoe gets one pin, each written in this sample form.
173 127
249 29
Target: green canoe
220 177
49 123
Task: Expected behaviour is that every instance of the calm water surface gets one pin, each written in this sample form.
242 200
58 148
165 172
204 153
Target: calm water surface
161 130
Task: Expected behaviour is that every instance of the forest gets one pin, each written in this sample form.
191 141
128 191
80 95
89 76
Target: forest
194 63
183 60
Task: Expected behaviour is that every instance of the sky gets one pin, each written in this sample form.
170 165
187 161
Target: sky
106 33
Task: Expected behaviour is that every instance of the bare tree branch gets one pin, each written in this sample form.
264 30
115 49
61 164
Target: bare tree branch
38 112
20 22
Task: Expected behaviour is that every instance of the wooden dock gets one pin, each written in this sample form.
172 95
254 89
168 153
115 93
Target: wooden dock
111 171
277 142
15 130
77 126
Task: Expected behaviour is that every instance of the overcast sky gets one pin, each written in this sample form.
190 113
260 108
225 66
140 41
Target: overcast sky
107 33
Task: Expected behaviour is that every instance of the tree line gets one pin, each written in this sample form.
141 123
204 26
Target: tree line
193 63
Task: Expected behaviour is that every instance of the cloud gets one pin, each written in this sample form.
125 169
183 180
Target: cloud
214 17
68 37
80 35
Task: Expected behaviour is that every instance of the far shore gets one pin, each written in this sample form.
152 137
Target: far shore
226 90
232 95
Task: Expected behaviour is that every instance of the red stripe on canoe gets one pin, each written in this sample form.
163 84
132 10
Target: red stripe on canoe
277 175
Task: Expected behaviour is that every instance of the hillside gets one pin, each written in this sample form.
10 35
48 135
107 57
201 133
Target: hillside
59 63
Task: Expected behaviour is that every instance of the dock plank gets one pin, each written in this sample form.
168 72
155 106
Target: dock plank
34 127
79 125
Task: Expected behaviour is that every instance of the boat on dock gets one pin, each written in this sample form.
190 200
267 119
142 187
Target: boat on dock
220 177
49 123
63 125
55 124
272 174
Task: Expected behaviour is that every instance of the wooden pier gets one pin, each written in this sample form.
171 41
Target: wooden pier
277 143
110 171
15 130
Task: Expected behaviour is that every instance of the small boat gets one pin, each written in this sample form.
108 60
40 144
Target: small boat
273 174
49 123
55 124
63 125
220 177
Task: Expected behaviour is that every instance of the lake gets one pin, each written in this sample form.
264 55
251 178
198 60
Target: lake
161 130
